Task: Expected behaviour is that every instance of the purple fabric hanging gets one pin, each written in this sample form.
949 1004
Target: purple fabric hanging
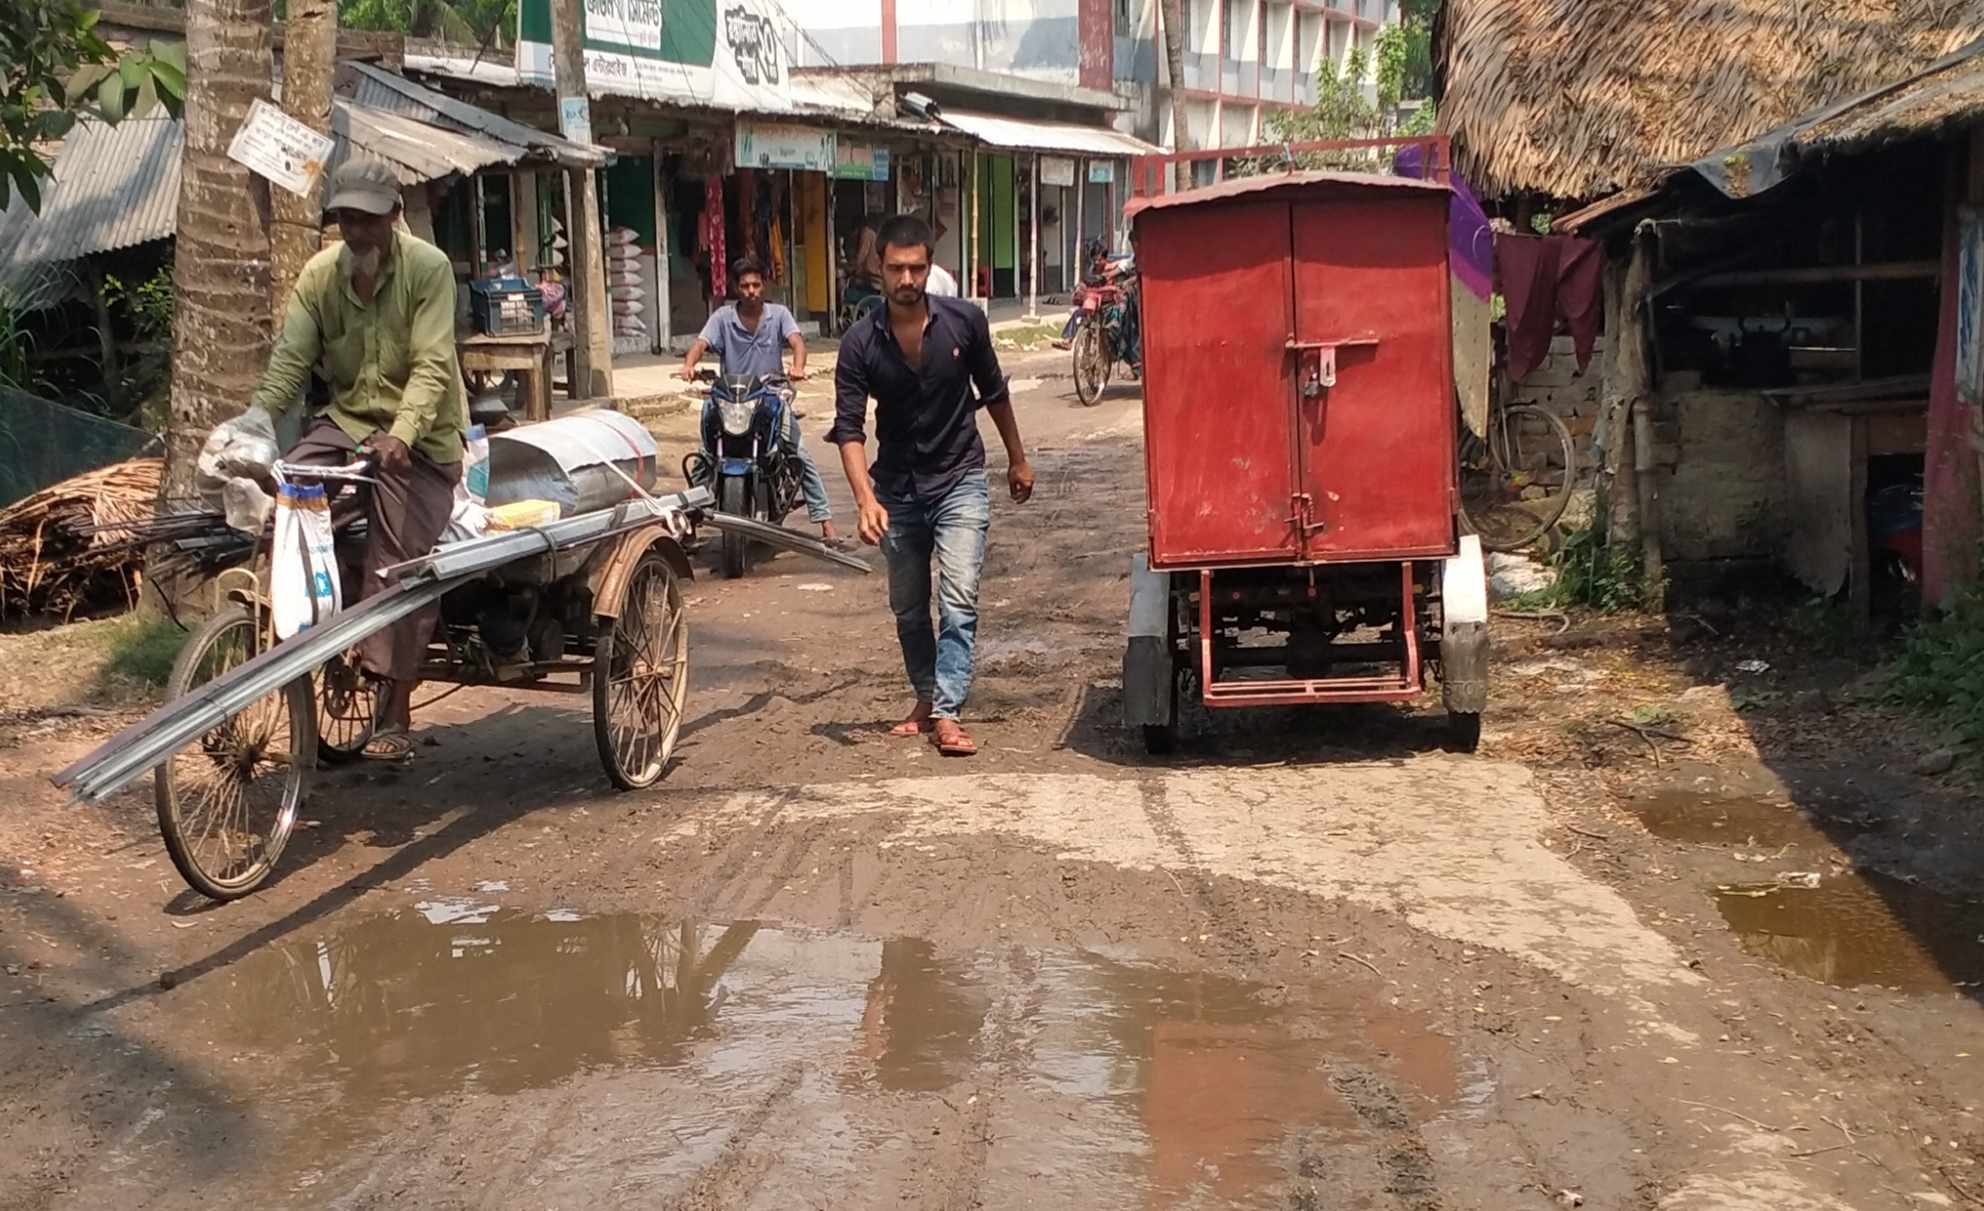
1470 240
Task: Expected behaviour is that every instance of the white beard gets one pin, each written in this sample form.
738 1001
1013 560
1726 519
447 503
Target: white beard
367 263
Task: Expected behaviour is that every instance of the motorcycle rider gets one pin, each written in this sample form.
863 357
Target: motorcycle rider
750 337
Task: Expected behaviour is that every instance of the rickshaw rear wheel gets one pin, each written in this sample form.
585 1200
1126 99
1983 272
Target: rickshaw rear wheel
640 677
227 802
1463 731
347 710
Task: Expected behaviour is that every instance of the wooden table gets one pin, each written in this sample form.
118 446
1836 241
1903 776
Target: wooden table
527 355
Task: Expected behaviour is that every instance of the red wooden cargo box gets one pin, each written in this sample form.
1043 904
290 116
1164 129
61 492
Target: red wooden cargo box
1300 433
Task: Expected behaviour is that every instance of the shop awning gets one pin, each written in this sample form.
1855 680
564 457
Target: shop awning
1060 138
380 89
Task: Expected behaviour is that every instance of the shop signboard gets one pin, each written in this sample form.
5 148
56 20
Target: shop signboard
800 148
1101 172
724 53
861 161
1057 170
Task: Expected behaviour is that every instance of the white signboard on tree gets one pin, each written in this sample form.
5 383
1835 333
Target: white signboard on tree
280 148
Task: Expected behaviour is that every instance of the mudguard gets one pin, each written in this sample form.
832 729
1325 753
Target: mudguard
1464 637
1148 657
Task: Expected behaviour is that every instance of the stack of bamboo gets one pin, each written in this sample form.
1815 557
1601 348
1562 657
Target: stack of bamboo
62 549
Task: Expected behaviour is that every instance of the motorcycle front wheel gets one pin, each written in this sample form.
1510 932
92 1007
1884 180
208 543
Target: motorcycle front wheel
1091 362
732 554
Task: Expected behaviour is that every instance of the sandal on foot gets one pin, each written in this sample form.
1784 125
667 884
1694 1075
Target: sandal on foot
959 745
389 746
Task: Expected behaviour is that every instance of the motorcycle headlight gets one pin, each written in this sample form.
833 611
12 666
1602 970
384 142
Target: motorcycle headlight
736 416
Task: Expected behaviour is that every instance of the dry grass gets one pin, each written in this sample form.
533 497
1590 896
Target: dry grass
1579 98
52 561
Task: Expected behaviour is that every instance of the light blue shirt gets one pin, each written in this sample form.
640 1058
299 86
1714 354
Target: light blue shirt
742 351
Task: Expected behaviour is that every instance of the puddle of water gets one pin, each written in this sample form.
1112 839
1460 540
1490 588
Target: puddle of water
1861 929
1176 1084
1685 815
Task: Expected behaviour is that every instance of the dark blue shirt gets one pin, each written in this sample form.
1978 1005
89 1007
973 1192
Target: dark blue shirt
926 422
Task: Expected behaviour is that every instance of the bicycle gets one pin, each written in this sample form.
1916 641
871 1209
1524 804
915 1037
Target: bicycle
1516 479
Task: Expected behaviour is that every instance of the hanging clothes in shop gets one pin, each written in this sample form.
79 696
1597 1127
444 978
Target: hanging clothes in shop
747 211
1546 279
776 243
712 237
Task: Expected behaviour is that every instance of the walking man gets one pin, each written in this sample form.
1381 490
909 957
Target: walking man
929 363
751 336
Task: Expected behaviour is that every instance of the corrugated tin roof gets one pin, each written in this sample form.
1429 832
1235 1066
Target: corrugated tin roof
1026 134
1269 182
417 151
385 90
113 187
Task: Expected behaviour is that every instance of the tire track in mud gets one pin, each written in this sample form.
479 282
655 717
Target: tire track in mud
1225 921
798 845
1004 1057
1398 1157
736 855
1403 1160
740 1168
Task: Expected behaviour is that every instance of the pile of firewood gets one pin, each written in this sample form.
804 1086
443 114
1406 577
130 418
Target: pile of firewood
69 547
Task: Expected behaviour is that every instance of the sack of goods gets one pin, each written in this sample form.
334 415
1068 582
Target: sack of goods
623 277
581 462
633 292
622 237
303 571
628 307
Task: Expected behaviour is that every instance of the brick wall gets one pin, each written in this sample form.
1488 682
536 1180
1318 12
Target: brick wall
1558 387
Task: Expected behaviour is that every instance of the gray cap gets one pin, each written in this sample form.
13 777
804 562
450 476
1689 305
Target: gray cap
366 184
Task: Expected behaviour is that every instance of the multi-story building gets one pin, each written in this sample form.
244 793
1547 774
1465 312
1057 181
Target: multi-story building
1242 58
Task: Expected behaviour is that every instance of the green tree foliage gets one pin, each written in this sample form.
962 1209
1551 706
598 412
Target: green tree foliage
54 69
473 22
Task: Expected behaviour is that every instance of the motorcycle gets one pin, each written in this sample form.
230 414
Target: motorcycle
753 472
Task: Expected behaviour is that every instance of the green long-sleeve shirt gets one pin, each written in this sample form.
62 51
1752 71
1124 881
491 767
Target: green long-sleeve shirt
391 363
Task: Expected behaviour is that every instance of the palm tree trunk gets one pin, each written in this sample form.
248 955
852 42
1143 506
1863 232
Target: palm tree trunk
309 60
1172 21
220 335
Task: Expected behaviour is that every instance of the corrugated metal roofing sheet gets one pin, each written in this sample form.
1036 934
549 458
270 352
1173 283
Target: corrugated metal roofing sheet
1269 182
113 187
1946 94
118 186
385 90
417 151
1026 134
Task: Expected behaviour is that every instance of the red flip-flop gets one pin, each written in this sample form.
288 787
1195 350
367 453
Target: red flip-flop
960 745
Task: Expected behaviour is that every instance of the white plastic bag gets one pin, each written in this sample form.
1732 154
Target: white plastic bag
303 574
241 448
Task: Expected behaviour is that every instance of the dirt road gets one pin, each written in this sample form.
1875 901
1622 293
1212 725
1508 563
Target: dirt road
1311 962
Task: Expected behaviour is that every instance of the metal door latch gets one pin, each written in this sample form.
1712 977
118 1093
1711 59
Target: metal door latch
1317 367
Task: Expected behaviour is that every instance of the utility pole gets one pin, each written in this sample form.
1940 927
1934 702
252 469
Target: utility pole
309 60
591 340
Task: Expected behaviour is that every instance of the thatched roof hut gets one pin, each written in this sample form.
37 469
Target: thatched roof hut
1576 99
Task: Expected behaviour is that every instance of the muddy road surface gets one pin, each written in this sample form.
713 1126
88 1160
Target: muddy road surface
1313 961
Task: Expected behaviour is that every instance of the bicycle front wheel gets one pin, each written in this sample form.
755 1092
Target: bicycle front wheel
227 802
1516 482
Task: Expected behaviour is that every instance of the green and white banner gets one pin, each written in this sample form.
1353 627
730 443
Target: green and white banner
725 53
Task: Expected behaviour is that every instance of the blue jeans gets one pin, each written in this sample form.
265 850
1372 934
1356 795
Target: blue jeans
953 528
811 486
